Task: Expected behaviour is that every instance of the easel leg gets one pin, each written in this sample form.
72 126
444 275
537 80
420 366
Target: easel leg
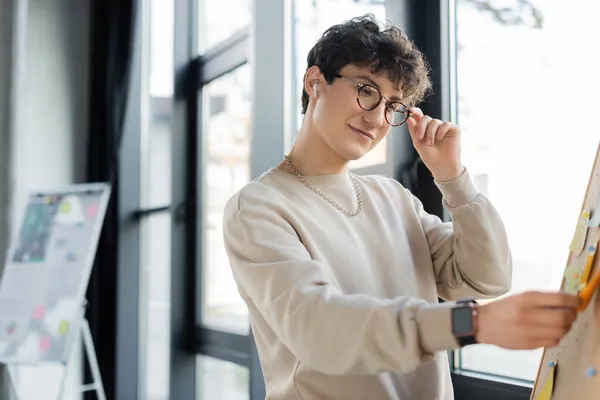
63 379
13 382
98 386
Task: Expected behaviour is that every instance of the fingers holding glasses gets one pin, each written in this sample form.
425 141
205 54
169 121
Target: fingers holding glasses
422 127
427 130
416 113
417 123
432 131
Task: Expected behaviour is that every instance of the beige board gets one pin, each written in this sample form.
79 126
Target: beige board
577 357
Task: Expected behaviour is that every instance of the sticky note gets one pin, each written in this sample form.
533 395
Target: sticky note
578 241
38 313
65 207
548 388
572 280
11 328
45 343
63 327
71 257
92 210
594 222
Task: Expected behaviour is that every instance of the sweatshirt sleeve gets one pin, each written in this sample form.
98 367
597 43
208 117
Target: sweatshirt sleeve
471 255
331 332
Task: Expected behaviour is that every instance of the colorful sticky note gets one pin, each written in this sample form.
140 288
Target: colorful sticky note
65 207
572 280
92 210
63 327
71 257
45 343
548 388
38 313
578 241
11 328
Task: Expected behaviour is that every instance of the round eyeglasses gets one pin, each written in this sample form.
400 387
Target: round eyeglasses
369 97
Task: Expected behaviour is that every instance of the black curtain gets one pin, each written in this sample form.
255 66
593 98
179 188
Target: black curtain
112 36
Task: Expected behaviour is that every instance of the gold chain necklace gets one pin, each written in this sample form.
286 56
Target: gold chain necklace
357 190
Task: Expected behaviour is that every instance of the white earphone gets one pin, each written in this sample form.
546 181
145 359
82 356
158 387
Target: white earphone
315 89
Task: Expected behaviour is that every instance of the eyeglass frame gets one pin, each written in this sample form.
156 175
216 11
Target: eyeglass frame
360 86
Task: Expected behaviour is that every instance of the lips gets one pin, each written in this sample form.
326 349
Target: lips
365 133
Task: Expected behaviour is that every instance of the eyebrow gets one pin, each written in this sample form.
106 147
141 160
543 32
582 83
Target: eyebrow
372 82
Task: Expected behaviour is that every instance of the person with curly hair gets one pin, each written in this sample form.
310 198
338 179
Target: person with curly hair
342 274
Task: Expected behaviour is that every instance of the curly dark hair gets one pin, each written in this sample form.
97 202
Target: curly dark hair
362 42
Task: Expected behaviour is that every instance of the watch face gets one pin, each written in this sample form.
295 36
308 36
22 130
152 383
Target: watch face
462 320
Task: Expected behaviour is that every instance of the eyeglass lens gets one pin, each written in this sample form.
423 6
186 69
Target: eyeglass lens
369 98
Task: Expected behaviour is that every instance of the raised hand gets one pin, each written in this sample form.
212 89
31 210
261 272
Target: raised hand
438 144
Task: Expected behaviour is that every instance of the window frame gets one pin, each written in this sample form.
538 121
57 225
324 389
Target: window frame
438 44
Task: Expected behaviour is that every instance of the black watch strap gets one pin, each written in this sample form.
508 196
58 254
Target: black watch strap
466 340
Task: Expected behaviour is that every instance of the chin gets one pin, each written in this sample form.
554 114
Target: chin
353 154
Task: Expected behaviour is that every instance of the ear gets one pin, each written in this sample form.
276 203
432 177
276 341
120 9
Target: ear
313 81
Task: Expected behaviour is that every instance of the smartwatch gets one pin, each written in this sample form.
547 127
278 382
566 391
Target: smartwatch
464 319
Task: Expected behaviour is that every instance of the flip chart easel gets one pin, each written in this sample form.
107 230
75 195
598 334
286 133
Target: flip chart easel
45 279
571 370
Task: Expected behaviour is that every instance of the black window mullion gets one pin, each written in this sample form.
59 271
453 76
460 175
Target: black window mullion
223 345
183 377
145 212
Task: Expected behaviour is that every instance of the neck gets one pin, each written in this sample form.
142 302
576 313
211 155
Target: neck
311 155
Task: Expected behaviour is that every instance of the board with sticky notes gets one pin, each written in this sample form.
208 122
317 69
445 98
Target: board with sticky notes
46 273
570 370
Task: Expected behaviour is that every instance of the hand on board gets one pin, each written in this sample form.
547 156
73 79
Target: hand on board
438 144
527 320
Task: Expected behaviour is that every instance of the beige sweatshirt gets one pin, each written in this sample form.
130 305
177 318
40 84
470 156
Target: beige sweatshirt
346 308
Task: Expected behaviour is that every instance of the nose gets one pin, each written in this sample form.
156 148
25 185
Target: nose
376 117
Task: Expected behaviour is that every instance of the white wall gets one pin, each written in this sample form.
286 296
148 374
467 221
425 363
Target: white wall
49 148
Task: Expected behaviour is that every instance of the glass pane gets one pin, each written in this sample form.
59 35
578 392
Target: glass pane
512 74
219 379
311 20
226 131
155 240
219 20
156 130
156 275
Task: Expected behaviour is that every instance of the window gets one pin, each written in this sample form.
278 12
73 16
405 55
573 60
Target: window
155 262
526 84
227 124
155 198
311 19
219 20
219 379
